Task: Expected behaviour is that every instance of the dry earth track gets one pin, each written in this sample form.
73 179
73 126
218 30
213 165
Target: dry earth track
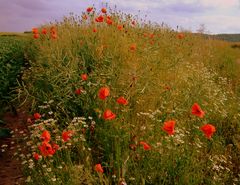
10 168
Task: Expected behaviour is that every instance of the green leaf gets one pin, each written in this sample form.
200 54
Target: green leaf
4 132
2 122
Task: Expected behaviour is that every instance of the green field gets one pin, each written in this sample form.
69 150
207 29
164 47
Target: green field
12 62
80 132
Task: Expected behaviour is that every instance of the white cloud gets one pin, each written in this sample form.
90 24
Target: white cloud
220 23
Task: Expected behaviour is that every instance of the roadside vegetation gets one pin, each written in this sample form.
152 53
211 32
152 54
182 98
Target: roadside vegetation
117 100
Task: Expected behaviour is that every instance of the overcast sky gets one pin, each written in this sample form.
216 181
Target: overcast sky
218 16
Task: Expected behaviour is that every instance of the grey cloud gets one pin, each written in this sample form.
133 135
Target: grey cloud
192 8
22 15
33 6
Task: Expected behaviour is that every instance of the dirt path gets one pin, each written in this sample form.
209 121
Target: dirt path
10 168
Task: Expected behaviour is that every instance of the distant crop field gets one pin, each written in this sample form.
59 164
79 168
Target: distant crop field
10 34
11 64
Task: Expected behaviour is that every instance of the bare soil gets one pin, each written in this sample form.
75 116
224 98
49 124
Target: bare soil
10 168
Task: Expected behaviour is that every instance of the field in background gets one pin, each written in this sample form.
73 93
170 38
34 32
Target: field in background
227 37
13 34
12 62
80 131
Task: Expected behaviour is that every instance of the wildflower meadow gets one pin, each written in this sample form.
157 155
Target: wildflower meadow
114 99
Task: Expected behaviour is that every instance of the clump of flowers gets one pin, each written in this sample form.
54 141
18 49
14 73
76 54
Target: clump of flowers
66 135
98 168
43 33
169 127
103 93
197 111
121 100
208 130
109 115
37 116
145 145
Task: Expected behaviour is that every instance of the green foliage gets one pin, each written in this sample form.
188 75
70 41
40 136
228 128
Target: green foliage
228 37
12 63
4 133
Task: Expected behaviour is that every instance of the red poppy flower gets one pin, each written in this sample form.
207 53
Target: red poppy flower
109 21
103 93
66 135
169 127
36 156
78 91
84 77
121 100
151 36
133 23
145 145
109 115
120 27
104 10
46 136
180 35
44 31
46 149
197 111
37 116
84 17
53 30
89 9
167 87
54 36
36 36
55 146
208 130
34 30
133 47
98 168
100 18
94 30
